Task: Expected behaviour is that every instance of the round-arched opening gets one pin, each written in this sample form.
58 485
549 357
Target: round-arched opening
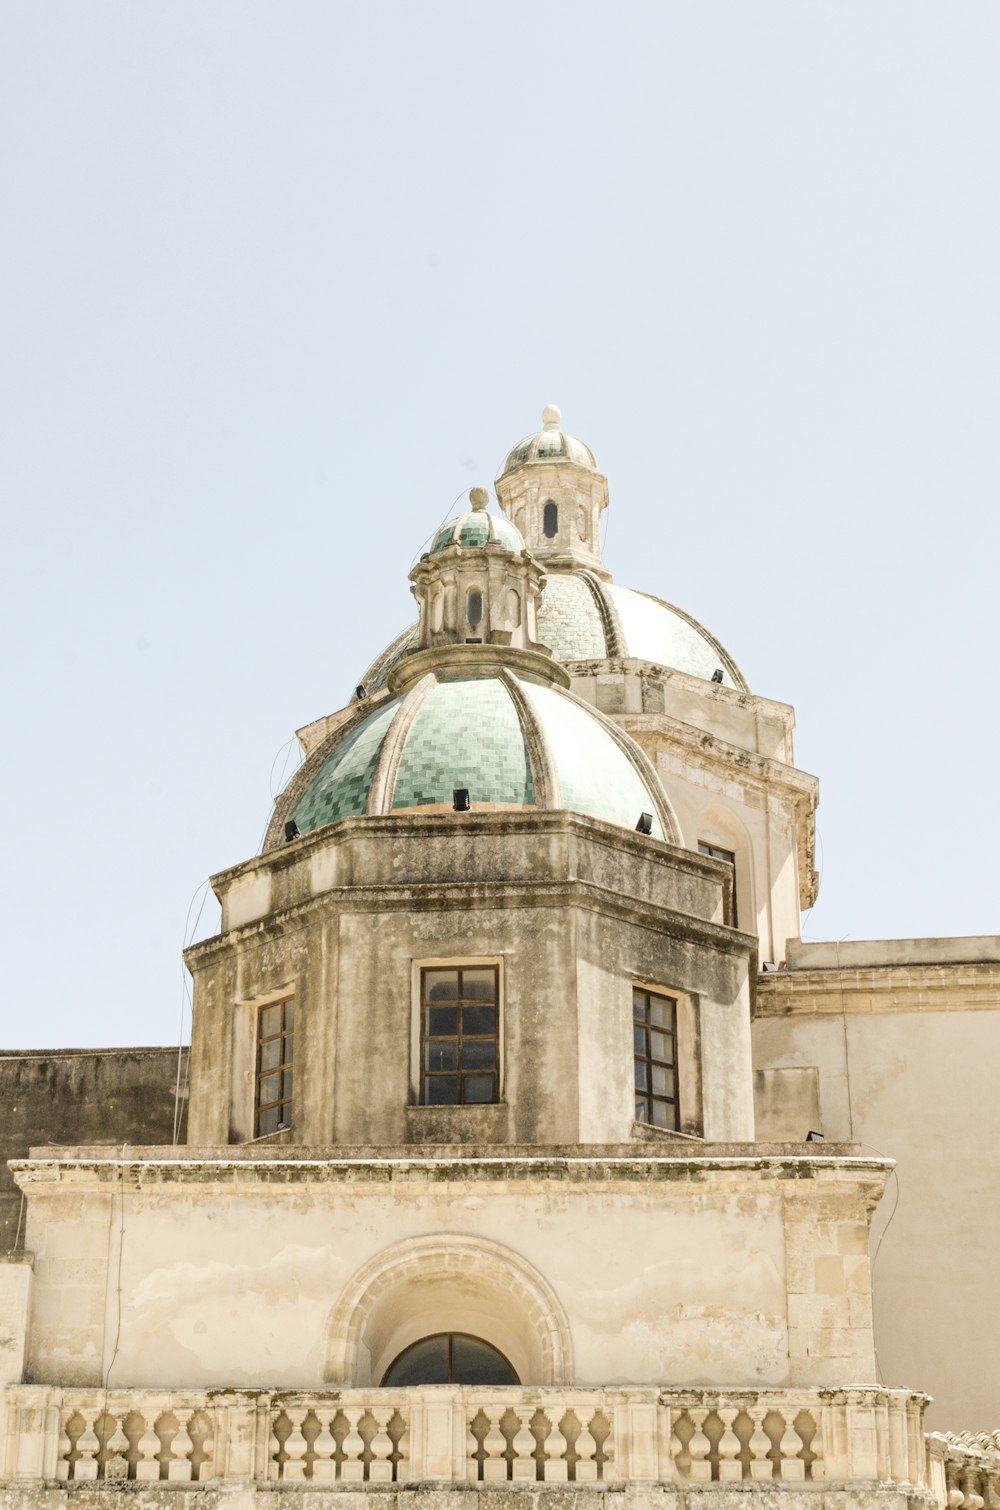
449 1358
550 521
474 607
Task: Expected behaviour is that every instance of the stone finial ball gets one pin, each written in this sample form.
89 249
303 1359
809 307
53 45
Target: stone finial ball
479 498
551 416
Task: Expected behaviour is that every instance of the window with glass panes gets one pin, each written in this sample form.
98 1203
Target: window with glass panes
459 1035
275 1045
654 1027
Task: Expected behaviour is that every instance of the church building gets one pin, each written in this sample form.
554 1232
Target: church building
527 1145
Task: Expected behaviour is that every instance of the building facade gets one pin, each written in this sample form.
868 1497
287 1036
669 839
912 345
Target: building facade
508 1167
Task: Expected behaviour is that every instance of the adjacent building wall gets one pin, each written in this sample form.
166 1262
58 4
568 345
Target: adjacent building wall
82 1096
904 1037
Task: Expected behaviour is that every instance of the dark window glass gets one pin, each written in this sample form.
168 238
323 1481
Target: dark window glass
474 608
275 1043
450 1358
459 1053
730 859
550 521
654 1030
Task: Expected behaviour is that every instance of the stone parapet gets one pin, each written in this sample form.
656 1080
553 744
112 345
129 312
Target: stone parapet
857 989
963 1470
489 1437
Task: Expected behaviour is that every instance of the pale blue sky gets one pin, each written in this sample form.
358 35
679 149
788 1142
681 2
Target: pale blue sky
279 281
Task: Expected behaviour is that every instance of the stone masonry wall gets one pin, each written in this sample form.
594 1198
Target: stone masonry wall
71 1096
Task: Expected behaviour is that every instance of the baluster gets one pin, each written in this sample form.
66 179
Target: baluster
730 1467
495 1446
403 1451
761 1466
699 1447
817 1468
206 1469
524 1465
605 1464
147 1469
88 1446
970 1486
586 1449
555 1469
352 1469
791 1465
296 1447
471 1447
955 1496
380 1468
324 1468
65 1447
116 1452
181 1448
273 1444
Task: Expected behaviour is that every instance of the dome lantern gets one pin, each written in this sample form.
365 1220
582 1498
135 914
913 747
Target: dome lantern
477 585
552 491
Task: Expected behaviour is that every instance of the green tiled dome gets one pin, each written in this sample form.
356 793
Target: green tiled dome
476 732
478 528
550 444
582 618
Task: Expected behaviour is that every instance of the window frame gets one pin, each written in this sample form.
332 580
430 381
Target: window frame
286 1035
649 1061
417 1036
725 857
451 1335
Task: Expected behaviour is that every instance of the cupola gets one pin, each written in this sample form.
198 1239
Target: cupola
552 491
477 585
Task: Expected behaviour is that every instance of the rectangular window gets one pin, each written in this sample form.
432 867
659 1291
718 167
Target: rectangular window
730 859
275 1052
459 1035
654 1028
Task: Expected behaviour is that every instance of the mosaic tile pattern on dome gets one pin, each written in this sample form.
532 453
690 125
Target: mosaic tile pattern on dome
596 775
466 734
340 787
569 621
654 633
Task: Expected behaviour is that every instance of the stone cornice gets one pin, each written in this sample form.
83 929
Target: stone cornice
445 896
879 989
724 759
245 1167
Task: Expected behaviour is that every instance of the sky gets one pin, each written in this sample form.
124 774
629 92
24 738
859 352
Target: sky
280 283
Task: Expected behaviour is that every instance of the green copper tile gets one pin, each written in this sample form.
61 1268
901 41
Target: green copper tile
653 632
569 621
596 775
340 787
466 734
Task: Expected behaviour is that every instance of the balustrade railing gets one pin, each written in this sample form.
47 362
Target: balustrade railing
964 1471
472 1435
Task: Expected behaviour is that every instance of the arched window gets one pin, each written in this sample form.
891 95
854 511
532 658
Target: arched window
474 607
449 1358
550 521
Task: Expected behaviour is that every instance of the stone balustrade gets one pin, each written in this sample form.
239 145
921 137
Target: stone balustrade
964 1471
449 1434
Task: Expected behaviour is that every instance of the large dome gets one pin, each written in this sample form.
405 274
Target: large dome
582 618
510 740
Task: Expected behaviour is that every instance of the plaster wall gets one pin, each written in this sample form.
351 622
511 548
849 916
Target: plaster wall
677 1273
916 1083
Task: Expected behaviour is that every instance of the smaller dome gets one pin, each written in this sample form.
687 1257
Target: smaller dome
550 444
478 527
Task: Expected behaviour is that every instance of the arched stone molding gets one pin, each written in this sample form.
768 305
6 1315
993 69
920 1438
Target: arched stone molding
440 1283
723 827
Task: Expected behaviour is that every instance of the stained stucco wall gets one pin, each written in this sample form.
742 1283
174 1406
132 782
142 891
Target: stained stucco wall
80 1096
907 1055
